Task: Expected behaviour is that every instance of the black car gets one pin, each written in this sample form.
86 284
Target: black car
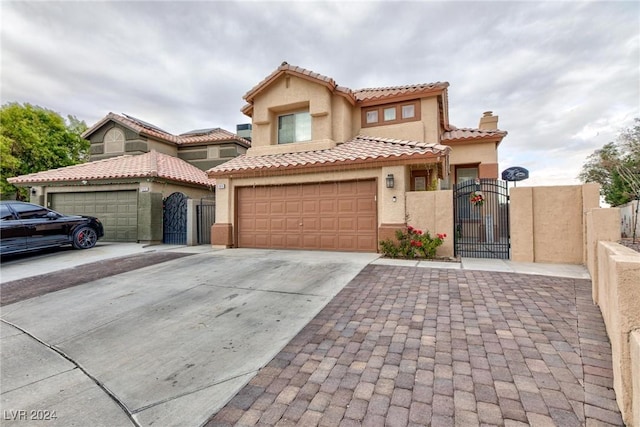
28 227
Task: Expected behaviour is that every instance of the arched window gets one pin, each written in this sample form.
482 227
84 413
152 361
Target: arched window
114 141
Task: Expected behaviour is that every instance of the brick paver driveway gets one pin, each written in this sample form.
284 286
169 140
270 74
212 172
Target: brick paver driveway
415 346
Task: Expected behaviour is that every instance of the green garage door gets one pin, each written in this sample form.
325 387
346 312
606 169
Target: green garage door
117 210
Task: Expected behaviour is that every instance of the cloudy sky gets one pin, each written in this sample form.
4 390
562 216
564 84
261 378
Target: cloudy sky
564 77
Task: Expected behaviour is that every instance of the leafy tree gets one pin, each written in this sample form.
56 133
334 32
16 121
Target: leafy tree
616 167
33 139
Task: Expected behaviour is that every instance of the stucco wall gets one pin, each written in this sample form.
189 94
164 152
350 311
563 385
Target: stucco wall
635 375
432 211
426 129
289 94
602 225
166 189
484 152
548 223
619 301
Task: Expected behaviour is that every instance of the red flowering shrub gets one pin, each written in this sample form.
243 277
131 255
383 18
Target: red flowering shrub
412 244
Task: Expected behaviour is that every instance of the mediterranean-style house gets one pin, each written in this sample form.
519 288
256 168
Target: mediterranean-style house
331 167
134 166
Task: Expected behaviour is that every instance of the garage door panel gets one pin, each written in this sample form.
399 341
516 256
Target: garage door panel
329 189
347 225
328 207
334 216
329 224
292 207
311 225
275 225
117 210
292 225
310 207
346 207
262 208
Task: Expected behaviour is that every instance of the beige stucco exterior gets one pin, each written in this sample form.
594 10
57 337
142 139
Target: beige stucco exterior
337 117
619 301
426 129
548 223
635 377
433 211
603 225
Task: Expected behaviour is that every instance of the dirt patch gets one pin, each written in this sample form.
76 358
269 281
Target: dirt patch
30 287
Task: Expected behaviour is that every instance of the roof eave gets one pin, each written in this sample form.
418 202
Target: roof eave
404 159
401 97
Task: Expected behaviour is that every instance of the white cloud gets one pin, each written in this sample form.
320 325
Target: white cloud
562 76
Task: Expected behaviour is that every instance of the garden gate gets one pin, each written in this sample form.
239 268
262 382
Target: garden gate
174 219
481 219
205 218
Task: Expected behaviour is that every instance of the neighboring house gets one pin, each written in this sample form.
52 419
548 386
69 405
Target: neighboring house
133 167
329 166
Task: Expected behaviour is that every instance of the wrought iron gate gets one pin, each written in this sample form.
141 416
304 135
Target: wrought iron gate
481 219
206 217
174 219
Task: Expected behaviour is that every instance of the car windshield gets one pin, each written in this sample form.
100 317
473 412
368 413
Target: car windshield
30 211
5 213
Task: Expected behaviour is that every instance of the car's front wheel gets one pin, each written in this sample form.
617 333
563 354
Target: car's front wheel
85 238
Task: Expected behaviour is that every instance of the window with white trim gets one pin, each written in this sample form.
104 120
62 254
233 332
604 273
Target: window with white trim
295 127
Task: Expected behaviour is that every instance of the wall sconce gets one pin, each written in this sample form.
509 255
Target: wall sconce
390 181
34 191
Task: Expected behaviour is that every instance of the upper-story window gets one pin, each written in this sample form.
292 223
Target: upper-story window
295 127
114 141
388 114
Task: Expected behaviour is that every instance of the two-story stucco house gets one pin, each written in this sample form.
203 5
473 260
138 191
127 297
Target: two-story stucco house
329 167
133 167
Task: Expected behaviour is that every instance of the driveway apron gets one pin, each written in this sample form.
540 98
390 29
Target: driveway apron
169 344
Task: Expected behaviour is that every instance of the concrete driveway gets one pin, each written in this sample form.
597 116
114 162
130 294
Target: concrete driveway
164 345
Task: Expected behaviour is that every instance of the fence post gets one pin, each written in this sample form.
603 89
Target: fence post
192 227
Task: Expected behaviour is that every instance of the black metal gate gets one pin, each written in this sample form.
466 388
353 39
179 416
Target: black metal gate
481 219
174 219
206 217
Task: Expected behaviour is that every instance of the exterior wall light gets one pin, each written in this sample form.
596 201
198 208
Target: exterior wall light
390 181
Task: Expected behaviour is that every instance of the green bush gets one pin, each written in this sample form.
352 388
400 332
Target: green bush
412 243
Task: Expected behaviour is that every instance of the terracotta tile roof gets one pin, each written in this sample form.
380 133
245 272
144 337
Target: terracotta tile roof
369 95
380 93
148 165
359 150
211 135
466 134
285 68
145 128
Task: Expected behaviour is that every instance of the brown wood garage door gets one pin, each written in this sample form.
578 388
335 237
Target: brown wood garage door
329 216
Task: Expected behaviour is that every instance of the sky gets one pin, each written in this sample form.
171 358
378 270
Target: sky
564 77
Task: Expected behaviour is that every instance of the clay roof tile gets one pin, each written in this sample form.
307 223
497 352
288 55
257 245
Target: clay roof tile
151 164
359 149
